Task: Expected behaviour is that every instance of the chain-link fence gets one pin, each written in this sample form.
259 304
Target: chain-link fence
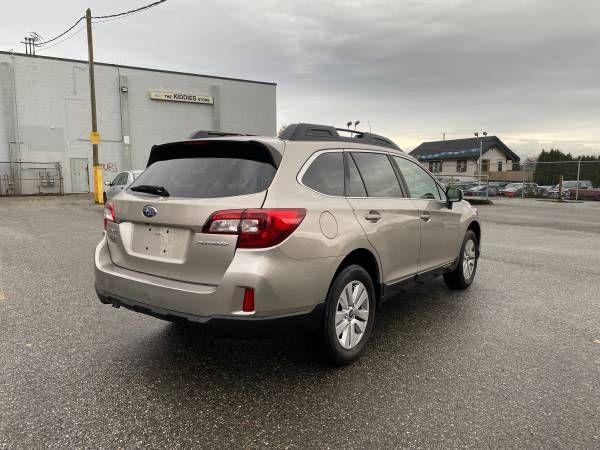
572 180
31 178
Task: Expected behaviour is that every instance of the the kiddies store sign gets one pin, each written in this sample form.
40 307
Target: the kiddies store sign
181 97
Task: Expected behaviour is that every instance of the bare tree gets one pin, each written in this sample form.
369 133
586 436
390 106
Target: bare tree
281 128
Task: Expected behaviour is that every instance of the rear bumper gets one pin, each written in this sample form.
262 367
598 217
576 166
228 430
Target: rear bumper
224 324
288 292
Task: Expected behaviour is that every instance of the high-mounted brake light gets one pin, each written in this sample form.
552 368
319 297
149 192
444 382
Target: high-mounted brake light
109 213
256 228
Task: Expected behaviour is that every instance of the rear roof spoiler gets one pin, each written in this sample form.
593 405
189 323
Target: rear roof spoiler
203 134
246 149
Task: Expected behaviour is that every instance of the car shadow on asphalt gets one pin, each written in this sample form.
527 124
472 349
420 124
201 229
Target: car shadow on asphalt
405 326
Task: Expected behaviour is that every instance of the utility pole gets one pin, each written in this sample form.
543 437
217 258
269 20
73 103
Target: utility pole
94 135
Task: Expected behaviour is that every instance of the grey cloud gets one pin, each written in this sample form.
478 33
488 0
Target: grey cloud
525 70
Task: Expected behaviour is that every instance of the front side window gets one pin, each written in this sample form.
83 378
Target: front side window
378 174
419 183
326 174
120 179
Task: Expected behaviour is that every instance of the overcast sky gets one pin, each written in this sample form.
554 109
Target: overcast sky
525 70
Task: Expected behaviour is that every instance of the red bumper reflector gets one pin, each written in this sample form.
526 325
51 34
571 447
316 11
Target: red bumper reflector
248 303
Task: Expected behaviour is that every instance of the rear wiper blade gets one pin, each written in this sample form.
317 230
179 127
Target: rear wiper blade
151 189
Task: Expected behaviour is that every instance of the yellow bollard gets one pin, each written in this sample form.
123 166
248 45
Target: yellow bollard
98 186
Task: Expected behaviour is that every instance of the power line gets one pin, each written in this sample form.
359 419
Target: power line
39 44
79 30
108 16
131 11
111 19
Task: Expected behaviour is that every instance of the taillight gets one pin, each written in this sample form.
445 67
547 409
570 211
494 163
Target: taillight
109 213
256 228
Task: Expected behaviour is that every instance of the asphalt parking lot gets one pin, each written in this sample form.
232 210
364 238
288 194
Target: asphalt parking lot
512 362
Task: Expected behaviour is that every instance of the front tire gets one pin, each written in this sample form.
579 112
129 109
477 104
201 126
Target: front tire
464 274
349 315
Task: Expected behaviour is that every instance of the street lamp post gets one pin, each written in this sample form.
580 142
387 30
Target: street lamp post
483 134
578 173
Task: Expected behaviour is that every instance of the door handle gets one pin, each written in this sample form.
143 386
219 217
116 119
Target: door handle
373 216
425 216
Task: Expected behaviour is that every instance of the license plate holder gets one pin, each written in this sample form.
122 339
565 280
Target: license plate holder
154 240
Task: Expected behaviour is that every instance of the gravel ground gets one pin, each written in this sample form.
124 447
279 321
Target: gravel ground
512 362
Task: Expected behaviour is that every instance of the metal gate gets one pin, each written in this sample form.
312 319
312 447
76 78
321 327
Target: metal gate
30 178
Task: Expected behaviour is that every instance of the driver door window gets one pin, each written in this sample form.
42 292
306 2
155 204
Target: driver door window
419 183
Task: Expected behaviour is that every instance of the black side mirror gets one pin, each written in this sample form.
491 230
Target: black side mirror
453 195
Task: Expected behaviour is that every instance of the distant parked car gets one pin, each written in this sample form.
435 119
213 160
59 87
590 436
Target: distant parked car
120 182
482 191
571 184
499 184
545 191
510 189
508 186
516 189
463 186
583 194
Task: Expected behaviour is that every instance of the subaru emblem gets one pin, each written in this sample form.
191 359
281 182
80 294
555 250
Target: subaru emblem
149 211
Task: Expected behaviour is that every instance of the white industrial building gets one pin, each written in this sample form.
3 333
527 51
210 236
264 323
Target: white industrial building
45 117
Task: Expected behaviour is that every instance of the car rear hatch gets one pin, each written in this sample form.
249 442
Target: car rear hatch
161 215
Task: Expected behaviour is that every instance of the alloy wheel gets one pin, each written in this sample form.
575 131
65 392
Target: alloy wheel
352 314
469 256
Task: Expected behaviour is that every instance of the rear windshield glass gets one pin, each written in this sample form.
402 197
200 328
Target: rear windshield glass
209 173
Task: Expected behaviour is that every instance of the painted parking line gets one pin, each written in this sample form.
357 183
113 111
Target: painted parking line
2 297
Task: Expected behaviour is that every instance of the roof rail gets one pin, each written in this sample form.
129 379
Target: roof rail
314 132
202 134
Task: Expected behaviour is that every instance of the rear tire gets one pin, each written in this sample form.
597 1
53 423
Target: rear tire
349 315
464 274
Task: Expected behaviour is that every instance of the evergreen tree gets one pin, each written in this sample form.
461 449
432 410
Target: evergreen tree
549 174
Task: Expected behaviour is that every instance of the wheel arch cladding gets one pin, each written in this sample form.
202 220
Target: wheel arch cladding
366 259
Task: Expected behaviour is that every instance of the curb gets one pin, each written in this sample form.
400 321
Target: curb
479 201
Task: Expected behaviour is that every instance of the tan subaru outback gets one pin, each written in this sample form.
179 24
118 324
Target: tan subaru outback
309 230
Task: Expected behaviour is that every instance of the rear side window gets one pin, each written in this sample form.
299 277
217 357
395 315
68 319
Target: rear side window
326 174
378 174
202 172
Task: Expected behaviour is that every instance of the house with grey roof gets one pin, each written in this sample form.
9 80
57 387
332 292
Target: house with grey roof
460 157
